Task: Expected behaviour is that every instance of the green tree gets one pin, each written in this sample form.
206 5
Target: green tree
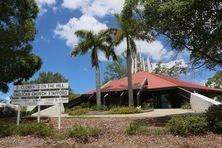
189 24
115 70
17 30
216 82
94 43
51 77
173 72
129 30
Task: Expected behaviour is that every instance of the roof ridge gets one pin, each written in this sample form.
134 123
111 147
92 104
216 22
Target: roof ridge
159 76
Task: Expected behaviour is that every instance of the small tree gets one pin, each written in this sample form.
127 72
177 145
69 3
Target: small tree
173 72
115 70
216 82
51 77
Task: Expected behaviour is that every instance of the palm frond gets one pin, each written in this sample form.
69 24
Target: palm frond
84 34
82 48
133 48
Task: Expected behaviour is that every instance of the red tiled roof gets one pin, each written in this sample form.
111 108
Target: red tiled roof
154 82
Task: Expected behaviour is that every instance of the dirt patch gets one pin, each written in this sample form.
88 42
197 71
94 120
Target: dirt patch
113 135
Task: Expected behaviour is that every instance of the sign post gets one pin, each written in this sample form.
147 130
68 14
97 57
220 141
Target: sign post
18 115
38 120
40 94
59 121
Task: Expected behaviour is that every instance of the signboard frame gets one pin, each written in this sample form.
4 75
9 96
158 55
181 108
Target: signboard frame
40 94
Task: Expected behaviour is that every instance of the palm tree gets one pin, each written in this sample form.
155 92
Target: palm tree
130 30
90 41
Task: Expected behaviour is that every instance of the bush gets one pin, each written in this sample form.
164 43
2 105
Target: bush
78 111
7 130
83 133
147 106
99 108
214 118
38 129
157 131
187 125
84 105
186 105
79 132
136 129
124 110
94 132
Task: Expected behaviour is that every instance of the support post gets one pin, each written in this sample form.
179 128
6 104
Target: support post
38 118
104 99
138 98
59 120
89 99
121 98
18 115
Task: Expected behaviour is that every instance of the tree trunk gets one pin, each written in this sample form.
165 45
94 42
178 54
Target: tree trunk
129 74
98 89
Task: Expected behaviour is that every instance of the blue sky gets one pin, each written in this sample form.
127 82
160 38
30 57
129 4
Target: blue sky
56 24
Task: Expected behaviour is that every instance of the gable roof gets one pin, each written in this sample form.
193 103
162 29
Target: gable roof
154 82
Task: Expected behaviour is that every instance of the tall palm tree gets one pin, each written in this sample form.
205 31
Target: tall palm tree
130 30
90 41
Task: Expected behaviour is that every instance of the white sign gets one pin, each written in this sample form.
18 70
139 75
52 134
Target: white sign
41 86
56 92
41 93
45 101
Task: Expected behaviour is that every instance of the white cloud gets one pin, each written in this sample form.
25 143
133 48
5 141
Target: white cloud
45 39
43 4
200 82
98 8
102 56
86 22
155 49
75 4
46 2
171 63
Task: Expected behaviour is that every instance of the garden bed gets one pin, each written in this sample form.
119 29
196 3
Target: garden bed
113 134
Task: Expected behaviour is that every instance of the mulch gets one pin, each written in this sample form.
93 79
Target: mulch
113 135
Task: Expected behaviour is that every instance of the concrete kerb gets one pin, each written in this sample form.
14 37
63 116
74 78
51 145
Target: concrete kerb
154 113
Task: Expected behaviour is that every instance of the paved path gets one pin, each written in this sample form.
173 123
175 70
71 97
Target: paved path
155 113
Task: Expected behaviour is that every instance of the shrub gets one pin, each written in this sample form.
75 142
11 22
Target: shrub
214 118
136 129
124 110
84 105
187 125
78 111
99 108
79 132
94 132
83 133
147 106
7 130
156 131
38 129
186 105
